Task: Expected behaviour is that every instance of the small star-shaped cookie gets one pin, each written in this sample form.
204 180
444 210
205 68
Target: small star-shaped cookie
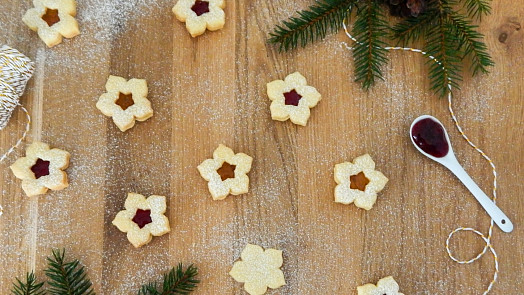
52 20
259 269
358 182
41 169
292 99
125 101
201 14
143 218
226 172
385 286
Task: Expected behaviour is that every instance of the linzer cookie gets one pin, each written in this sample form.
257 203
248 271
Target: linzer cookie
52 20
200 15
292 98
385 286
125 101
358 182
143 218
42 169
259 269
226 172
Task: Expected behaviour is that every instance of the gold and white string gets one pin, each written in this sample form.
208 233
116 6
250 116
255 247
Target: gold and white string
487 239
15 70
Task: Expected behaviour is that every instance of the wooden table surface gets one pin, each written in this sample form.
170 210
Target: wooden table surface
211 90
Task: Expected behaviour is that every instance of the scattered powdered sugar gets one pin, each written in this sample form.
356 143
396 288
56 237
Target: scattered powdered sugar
276 213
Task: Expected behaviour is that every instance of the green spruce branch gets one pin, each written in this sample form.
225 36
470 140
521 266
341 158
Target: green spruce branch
446 29
70 278
176 281
28 287
67 278
370 56
312 24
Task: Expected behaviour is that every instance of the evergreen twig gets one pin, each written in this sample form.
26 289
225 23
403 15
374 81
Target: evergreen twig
447 31
370 56
28 287
472 44
176 281
312 24
67 278
477 8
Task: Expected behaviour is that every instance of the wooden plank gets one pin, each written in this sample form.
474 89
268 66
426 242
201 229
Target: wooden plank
211 90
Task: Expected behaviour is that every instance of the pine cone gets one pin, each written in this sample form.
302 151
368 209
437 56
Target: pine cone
406 8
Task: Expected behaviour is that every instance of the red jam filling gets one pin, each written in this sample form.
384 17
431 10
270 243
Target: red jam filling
226 171
358 181
200 7
292 97
125 100
40 168
142 217
51 16
430 137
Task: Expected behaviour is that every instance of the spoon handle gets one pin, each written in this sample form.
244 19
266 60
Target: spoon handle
494 212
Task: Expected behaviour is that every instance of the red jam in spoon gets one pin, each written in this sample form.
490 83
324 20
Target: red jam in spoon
200 7
430 137
142 217
40 168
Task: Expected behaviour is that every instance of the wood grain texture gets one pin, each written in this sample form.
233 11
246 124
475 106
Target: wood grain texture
211 90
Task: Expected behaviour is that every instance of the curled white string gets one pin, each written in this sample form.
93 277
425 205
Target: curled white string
19 141
487 239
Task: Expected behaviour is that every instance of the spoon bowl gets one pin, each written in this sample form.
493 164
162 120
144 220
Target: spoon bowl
430 138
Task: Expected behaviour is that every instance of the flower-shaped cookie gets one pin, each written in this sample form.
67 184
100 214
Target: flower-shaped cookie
143 218
52 20
125 101
385 286
226 172
41 169
259 269
201 14
358 182
292 99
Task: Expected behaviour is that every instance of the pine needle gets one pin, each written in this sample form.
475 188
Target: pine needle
312 24
67 278
176 281
28 287
370 56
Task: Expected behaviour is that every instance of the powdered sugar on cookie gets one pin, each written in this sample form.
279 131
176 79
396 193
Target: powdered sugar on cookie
292 98
125 101
41 169
226 172
143 218
52 20
200 15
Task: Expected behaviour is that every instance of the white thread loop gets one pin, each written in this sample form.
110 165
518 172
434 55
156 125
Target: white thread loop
19 141
487 239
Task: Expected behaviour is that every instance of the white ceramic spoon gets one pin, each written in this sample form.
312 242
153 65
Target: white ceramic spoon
450 161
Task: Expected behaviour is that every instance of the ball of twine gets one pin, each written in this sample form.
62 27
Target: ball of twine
15 70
